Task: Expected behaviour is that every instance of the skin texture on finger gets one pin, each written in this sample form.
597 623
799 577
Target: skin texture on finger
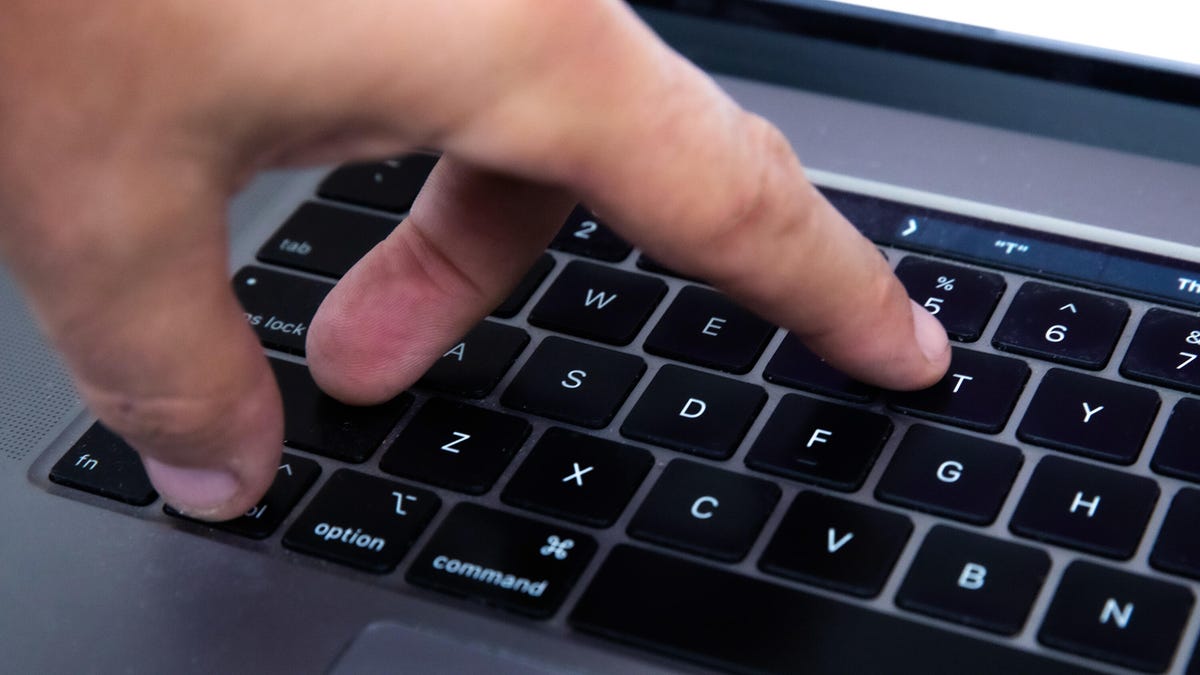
469 238
137 299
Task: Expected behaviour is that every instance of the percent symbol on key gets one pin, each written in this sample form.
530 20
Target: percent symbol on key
945 283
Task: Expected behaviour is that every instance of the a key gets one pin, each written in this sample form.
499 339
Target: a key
455 445
1177 549
316 422
1164 351
950 474
819 442
525 288
474 365
978 392
838 544
391 185
1085 507
960 297
793 365
694 412
324 239
502 559
1176 453
1115 616
586 235
1089 416
702 510
1062 325
974 580
103 464
279 307
293 478
598 302
706 328
362 521
577 477
726 620
574 382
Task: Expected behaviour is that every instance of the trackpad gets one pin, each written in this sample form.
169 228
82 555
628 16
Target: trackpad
385 646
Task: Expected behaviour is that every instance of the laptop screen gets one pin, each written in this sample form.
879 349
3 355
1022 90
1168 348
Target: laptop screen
1147 31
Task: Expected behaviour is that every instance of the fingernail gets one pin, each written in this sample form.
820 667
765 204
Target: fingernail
931 337
193 492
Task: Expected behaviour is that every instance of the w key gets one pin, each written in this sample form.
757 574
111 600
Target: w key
978 392
598 302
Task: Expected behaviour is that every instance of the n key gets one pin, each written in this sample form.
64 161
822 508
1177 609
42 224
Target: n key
1122 618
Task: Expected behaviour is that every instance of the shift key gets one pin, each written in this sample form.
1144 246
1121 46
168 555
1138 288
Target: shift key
279 307
503 559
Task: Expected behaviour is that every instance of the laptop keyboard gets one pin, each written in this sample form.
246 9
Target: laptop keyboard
624 452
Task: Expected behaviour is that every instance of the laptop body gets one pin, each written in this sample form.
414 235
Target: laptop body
95 585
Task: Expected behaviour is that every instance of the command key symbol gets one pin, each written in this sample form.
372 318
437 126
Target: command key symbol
557 547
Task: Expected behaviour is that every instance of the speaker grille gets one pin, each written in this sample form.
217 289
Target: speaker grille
36 394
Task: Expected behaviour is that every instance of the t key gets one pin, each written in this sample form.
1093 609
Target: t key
978 392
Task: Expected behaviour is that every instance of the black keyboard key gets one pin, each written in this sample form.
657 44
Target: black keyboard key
721 619
950 474
838 544
318 423
474 365
1089 416
707 511
694 412
388 186
1118 617
574 382
1177 549
103 464
1165 350
455 445
598 302
652 265
974 580
279 307
585 234
706 328
1176 454
819 442
1062 325
1085 507
578 477
978 392
503 559
793 365
960 297
362 521
325 239
525 288
294 477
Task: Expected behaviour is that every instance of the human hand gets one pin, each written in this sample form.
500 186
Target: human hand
128 125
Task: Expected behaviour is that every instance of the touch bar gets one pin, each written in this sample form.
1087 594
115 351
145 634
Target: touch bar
1175 282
